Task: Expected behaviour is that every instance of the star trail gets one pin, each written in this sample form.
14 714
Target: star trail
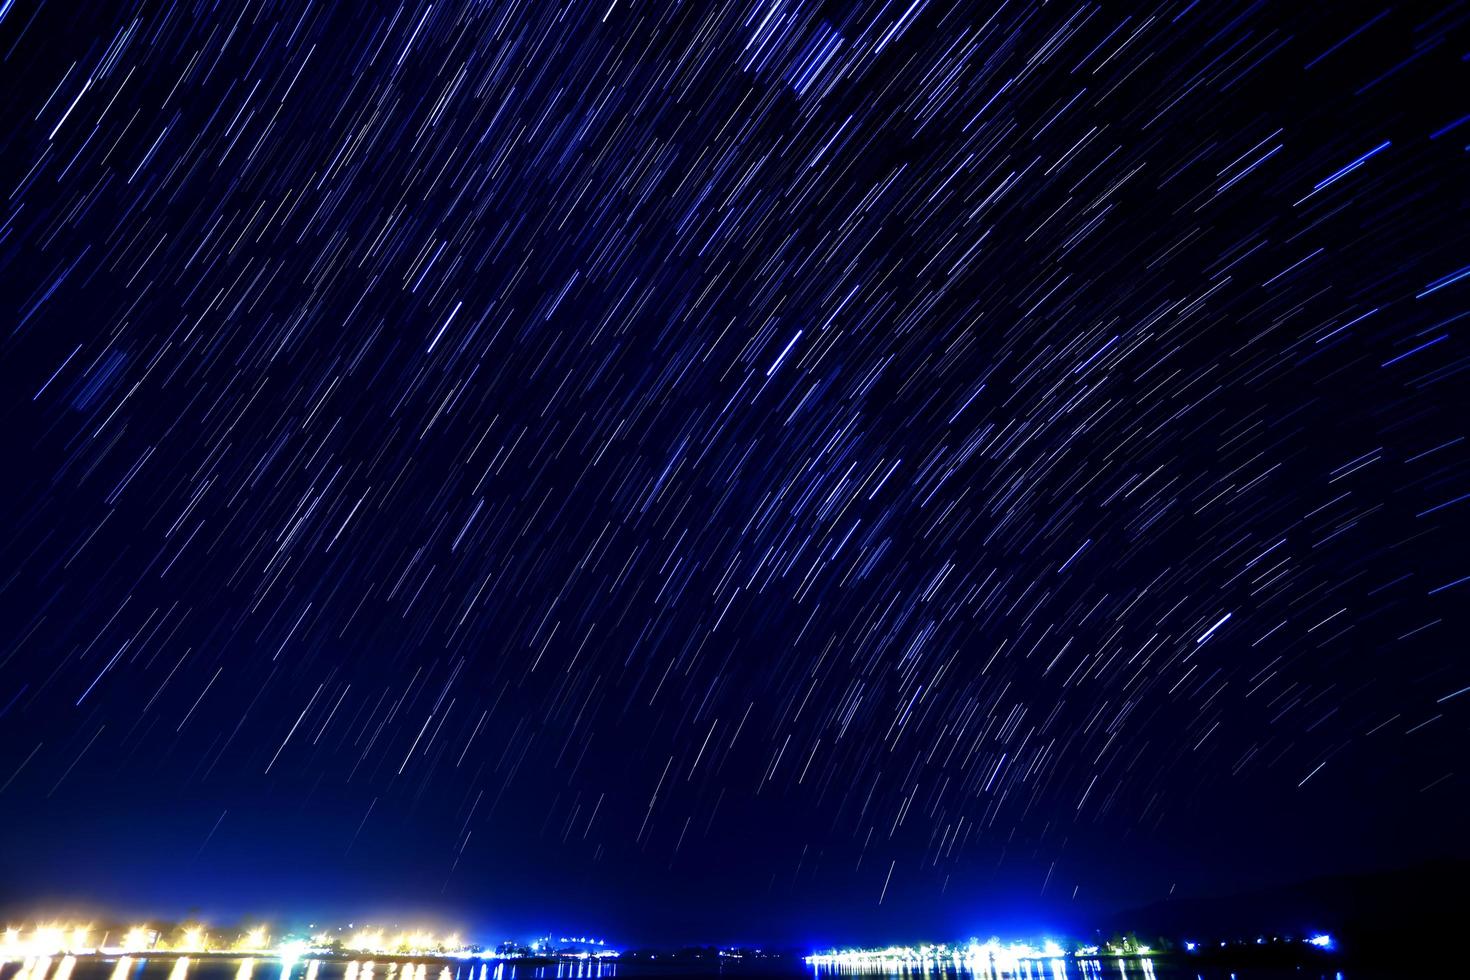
869 448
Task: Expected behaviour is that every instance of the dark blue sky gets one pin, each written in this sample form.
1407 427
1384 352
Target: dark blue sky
761 471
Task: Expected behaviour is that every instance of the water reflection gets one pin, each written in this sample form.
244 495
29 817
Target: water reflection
588 969
34 968
997 968
205 967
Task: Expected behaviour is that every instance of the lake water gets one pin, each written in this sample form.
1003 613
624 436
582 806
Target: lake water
224 968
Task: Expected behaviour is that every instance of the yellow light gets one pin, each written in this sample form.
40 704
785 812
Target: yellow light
137 939
292 951
47 940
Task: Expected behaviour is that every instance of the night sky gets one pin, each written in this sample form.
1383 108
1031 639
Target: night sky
764 470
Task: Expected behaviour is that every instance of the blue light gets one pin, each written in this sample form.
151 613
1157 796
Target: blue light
1322 941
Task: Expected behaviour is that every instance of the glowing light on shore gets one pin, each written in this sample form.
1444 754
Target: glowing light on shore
415 943
26 943
293 950
44 940
988 959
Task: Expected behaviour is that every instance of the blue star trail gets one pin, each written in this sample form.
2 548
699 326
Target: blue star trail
869 446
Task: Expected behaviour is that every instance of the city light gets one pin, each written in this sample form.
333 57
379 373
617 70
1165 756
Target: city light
416 943
50 939
992 956
293 950
137 940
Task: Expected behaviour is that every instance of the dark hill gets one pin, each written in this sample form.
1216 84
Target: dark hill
1377 915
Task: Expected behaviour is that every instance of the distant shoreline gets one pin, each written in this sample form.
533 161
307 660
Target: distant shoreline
232 954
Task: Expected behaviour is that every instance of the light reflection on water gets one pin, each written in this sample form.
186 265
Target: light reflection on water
243 968
1063 968
231 968
980 968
